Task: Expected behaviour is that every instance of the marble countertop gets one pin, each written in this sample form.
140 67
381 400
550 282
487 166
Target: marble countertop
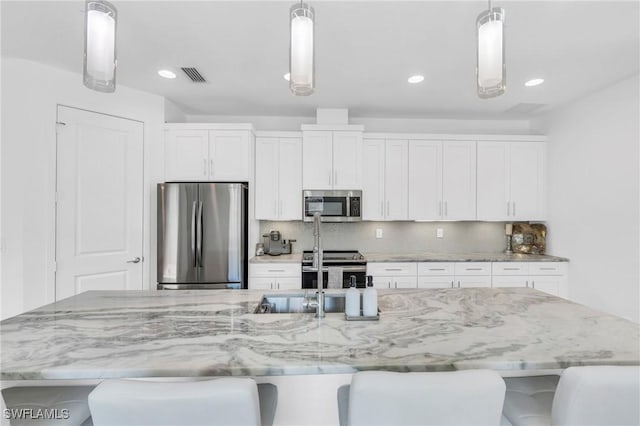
460 257
425 257
102 334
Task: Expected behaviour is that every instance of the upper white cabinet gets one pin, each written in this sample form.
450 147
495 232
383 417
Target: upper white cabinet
278 178
442 180
511 181
331 159
385 180
200 155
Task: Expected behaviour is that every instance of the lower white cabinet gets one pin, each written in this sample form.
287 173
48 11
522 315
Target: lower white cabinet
393 275
275 276
549 277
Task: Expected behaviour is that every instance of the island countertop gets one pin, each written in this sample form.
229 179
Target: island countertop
107 334
425 257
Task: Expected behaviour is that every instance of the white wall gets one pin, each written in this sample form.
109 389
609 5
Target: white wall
593 196
402 125
30 95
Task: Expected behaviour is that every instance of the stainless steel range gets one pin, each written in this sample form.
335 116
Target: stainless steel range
343 262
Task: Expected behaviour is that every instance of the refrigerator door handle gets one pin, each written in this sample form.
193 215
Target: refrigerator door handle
199 241
193 234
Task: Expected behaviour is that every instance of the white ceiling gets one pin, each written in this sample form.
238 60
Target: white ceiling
365 50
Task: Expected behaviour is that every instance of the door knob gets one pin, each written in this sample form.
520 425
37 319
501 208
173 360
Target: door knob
134 260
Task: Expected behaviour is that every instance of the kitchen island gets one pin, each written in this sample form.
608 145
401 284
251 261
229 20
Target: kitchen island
109 334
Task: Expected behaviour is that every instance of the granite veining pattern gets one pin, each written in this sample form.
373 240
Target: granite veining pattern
103 334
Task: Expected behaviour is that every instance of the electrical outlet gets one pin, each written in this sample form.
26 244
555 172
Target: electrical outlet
379 233
439 233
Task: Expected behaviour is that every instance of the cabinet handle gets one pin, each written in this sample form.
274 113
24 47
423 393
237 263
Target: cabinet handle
389 283
275 270
393 269
436 269
547 269
204 167
526 284
473 269
211 166
278 286
446 212
387 208
451 284
511 269
514 208
396 284
458 284
508 209
533 284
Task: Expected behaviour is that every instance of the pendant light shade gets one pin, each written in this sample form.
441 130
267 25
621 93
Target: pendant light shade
100 46
491 70
301 50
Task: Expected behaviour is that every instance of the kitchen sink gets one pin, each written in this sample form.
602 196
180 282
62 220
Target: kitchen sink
298 303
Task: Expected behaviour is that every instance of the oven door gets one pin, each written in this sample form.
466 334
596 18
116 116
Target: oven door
310 278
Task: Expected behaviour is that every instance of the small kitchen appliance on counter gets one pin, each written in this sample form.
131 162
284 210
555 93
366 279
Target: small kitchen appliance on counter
274 245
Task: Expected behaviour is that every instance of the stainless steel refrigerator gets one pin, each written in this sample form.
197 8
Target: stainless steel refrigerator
202 235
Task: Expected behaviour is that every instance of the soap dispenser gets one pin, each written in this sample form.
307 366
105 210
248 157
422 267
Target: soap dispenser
370 299
352 302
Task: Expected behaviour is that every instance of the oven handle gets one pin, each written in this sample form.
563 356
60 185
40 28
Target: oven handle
361 268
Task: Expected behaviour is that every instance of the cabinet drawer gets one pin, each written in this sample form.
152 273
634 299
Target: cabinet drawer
392 269
472 268
275 270
510 281
547 268
473 281
510 268
435 268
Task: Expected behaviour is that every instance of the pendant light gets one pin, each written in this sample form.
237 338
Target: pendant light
491 71
100 46
301 50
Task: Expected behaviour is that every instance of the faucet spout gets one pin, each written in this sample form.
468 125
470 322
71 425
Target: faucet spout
317 263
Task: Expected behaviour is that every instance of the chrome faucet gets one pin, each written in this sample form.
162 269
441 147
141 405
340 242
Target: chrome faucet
317 265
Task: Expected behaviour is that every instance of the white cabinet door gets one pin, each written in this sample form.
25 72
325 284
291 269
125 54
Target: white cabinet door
373 179
290 179
186 153
493 181
510 281
473 281
439 281
425 180
228 155
261 283
317 160
347 155
527 165
289 283
405 282
459 180
382 282
396 178
548 284
267 178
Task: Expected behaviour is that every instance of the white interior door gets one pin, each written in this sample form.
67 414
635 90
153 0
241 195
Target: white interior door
100 200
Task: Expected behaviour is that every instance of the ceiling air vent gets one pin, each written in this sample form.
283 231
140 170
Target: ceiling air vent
194 75
524 108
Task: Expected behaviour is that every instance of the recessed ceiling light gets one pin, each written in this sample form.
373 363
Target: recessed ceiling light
166 74
534 82
415 79
287 76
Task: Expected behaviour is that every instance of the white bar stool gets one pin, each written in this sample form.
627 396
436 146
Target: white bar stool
218 402
67 403
471 397
593 395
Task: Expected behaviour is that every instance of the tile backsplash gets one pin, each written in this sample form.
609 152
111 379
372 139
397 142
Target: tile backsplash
397 237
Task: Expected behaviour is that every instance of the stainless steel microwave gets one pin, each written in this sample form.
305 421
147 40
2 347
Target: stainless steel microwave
334 206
